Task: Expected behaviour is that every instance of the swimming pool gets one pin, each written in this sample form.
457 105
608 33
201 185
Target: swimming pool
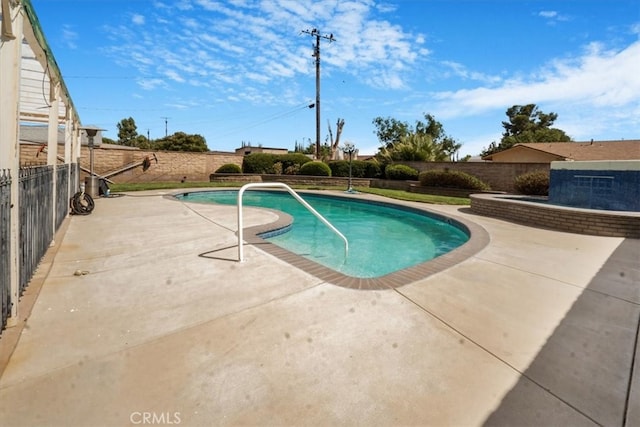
382 238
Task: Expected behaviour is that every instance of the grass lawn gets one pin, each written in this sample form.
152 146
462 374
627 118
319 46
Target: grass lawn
393 194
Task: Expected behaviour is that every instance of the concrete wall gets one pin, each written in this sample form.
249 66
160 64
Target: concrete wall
500 176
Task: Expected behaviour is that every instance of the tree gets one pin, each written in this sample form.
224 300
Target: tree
527 124
389 130
392 132
141 142
180 141
127 131
434 128
325 149
335 144
413 147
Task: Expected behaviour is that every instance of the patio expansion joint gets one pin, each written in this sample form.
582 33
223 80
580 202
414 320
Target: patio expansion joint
573 285
494 355
186 205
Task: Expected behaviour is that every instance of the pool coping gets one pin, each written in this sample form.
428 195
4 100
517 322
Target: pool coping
478 240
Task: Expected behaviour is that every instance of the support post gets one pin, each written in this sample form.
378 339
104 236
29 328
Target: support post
52 146
68 145
10 65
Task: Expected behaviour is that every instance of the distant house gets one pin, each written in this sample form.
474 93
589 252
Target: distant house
543 152
248 150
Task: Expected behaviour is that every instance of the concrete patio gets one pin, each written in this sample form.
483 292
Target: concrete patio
134 324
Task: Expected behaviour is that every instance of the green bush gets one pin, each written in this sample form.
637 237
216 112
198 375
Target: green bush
315 168
292 162
533 183
341 168
229 168
372 169
259 163
451 179
264 163
401 173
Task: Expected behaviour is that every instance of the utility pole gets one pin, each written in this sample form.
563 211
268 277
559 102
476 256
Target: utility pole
316 53
165 125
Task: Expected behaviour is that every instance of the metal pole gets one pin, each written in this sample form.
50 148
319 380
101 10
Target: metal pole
317 54
91 157
350 187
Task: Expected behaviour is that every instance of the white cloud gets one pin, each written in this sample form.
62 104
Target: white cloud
552 16
548 14
150 84
173 75
599 79
69 36
138 19
262 38
459 70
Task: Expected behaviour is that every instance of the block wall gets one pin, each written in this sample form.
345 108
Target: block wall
171 166
500 176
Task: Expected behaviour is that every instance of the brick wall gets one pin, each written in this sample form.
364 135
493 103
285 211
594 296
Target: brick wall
500 176
171 166
581 221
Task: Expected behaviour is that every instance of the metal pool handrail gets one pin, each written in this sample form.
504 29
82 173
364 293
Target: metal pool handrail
297 197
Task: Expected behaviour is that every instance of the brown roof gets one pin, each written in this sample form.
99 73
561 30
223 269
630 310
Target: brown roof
595 150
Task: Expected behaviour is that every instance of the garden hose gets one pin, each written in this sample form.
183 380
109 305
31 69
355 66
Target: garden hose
81 203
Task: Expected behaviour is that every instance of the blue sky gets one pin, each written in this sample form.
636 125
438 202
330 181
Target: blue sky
239 71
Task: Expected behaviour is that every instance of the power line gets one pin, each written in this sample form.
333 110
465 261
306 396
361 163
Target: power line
103 77
316 53
275 116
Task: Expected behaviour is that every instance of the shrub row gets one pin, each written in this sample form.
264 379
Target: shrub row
533 183
359 168
292 164
263 163
451 179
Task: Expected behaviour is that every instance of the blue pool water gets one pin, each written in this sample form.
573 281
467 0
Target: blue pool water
382 239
